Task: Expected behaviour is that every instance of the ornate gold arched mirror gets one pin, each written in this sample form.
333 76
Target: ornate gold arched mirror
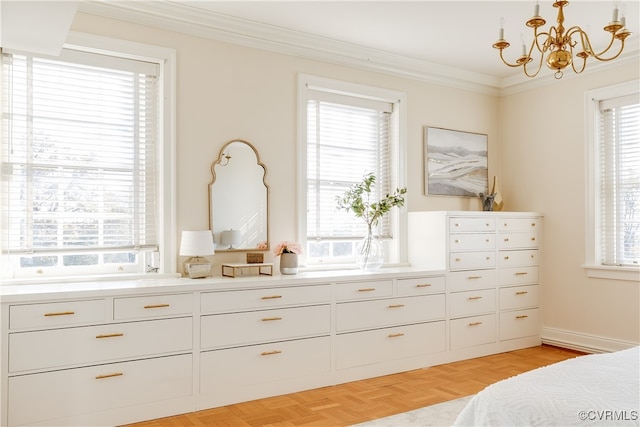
239 199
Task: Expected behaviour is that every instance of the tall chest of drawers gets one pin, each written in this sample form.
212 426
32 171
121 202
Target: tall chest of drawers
492 263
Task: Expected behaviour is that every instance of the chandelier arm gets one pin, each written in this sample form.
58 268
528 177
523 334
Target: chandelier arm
524 67
599 57
584 58
547 40
505 62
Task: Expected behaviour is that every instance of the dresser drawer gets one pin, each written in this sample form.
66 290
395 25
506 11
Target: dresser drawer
389 312
471 241
471 280
364 290
518 240
55 314
472 331
521 258
72 392
461 224
470 303
472 260
519 224
152 306
382 345
263 364
57 348
519 297
214 302
228 330
518 276
421 286
520 323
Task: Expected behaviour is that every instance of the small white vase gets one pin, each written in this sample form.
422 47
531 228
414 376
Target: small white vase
369 253
288 263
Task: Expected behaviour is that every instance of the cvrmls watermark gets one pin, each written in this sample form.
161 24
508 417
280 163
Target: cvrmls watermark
607 415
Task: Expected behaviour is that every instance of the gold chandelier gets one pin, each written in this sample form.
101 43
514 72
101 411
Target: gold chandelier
560 44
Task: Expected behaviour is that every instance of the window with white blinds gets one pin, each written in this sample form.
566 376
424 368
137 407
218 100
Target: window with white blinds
347 135
619 186
79 162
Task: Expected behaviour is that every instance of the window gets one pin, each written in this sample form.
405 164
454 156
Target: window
614 182
347 130
82 165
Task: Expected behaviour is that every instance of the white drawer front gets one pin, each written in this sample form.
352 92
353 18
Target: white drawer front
227 330
152 306
382 345
56 314
471 280
389 312
519 276
518 240
457 224
364 290
57 348
471 241
519 297
521 258
59 394
263 364
472 260
215 302
470 303
519 224
421 286
472 331
521 323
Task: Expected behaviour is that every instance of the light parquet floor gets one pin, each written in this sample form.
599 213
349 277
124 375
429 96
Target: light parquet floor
360 401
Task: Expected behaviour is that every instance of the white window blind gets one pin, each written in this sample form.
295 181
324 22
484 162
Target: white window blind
619 188
79 141
346 138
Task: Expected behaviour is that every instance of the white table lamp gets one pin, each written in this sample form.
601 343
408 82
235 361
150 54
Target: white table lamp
230 238
196 245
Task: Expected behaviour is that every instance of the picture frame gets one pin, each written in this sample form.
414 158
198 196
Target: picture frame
455 162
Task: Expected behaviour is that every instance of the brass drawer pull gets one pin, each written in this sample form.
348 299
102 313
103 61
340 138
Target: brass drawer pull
366 289
474 277
506 239
115 374
110 335
456 224
524 316
423 285
521 273
522 292
533 239
269 319
60 313
157 306
475 323
506 257
474 298
272 297
399 334
396 306
533 224
458 259
269 353
457 241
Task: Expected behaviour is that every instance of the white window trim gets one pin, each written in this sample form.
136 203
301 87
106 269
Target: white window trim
399 99
166 59
593 269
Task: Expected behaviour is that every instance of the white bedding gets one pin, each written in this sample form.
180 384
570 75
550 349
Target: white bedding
596 389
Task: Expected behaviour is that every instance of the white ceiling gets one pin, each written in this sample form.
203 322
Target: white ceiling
449 37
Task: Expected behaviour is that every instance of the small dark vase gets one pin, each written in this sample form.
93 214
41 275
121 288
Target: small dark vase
487 201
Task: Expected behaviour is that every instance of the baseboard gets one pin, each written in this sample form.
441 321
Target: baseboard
583 342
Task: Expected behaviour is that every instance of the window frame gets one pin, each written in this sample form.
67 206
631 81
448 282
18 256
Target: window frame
397 245
165 58
592 232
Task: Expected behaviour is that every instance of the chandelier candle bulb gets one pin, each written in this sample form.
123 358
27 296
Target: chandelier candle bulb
536 9
614 17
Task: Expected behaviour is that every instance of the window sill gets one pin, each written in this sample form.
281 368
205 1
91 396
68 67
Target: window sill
631 274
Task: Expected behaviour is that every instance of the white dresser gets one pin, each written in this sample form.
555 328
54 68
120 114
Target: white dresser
492 262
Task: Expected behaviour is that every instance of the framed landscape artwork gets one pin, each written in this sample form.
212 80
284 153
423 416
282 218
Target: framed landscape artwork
455 162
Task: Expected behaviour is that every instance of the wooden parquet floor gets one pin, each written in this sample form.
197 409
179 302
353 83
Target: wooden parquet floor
359 401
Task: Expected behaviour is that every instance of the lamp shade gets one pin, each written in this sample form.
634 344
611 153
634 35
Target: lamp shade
230 238
196 243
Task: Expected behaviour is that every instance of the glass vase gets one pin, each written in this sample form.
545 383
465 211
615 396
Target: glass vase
369 253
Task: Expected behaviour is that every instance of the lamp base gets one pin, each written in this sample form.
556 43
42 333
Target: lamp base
197 267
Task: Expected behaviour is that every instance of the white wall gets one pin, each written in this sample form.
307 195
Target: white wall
536 148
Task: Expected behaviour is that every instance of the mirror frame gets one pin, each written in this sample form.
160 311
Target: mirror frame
221 157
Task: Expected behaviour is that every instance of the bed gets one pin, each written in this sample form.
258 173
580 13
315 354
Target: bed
595 389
